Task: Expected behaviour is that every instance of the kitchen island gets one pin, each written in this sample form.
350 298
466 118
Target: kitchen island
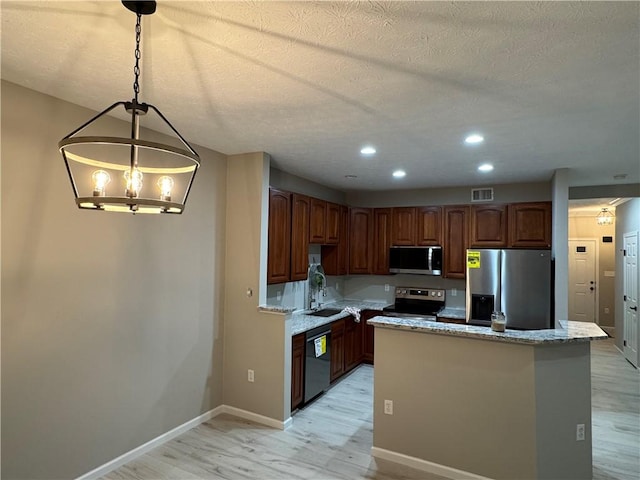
471 403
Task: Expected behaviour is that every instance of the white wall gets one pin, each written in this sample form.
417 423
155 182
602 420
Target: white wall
111 323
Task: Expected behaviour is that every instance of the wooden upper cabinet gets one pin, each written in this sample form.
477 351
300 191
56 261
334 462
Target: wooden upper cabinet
300 205
381 240
335 257
403 229
488 226
343 244
278 257
332 224
317 221
429 231
456 240
530 225
360 245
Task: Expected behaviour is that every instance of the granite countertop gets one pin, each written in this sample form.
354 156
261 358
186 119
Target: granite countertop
301 321
450 312
570 332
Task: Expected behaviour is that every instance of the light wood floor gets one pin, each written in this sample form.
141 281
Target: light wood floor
332 437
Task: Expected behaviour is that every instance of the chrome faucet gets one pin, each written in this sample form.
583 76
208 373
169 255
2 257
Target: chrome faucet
317 283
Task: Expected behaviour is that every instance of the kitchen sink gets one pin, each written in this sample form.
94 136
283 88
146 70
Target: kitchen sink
325 312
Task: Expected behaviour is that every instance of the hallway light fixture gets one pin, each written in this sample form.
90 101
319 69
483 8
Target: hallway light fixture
605 217
128 173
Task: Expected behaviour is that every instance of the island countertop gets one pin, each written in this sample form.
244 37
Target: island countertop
570 331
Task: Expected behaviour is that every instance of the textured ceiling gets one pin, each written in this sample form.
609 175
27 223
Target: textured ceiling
549 84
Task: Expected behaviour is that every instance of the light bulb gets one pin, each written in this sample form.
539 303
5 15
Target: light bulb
133 178
166 184
100 179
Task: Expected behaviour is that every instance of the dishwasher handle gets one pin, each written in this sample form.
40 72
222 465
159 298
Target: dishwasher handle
311 339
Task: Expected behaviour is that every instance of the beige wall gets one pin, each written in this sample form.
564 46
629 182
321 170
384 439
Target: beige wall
293 183
586 227
499 410
111 323
522 192
253 340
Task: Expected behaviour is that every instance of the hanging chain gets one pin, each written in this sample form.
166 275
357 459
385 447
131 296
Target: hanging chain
136 69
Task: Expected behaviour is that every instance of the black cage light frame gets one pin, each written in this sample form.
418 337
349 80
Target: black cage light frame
184 160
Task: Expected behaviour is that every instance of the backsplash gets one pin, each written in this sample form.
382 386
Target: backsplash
382 287
364 287
361 287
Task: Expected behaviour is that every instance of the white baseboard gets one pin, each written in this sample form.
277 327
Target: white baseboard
424 465
179 430
150 445
254 417
611 331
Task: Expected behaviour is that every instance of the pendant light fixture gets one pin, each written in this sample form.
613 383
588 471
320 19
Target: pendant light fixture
129 173
605 217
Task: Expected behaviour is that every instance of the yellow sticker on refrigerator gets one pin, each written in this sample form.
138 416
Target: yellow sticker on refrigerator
320 345
473 259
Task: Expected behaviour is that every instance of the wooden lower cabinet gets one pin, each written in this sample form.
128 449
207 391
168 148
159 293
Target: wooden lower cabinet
297 370
368 335
337 349
352 344
452 320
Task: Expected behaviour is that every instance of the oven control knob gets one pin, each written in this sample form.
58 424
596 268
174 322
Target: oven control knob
439 294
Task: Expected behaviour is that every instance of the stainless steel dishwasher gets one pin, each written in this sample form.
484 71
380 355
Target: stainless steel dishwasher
317 370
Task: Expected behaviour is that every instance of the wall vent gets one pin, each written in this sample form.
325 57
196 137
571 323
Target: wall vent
482 194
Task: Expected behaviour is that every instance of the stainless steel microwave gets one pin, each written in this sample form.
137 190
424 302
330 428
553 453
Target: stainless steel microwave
417 260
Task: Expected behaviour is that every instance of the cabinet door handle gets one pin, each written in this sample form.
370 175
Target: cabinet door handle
633 308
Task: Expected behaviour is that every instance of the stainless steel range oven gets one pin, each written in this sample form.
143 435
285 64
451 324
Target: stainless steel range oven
412 302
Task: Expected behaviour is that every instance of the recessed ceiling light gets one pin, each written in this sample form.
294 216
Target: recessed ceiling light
474 139
399 173
367 150
485 167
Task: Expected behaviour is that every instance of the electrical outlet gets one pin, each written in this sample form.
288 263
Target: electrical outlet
579 432
606 309
388 407
250 375
386 287
278 295
454 292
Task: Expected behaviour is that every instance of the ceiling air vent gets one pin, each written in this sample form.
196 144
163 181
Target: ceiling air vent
482 194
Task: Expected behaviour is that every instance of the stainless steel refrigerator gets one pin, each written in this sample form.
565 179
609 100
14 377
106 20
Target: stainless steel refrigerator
516 282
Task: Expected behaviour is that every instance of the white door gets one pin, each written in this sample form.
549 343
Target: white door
630 293
582 280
